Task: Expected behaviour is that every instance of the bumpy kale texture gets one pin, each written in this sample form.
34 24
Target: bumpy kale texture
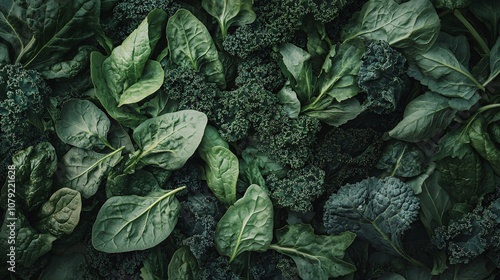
382 77
128 14
377 210
347 154
23 98
287 140
277 22
474 234
263 70
298 190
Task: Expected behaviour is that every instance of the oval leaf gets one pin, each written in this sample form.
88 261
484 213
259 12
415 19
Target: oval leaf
183 265
230 12
83 125
129 223
191 45
61 213
222 172
168 141
247 225
149 83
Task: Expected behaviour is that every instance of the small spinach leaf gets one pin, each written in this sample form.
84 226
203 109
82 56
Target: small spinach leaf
222 173
183 265
230 12
61 213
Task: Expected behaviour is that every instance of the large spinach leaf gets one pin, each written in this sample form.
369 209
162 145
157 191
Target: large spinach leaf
424 117
247 224
222 173
412 26
191 45
168 141
83 170
129 223
83 125
316 256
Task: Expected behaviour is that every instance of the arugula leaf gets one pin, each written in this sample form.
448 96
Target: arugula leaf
316 257
61 213
424 117
183 265
247 224
412 26
83 170
230 12
222 173
168 141
191 45
83 125
129 223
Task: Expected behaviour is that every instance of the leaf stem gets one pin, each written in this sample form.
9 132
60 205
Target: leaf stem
473 31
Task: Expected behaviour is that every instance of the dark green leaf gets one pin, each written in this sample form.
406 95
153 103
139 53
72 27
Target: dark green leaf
316 256
402 159
183 265
155 264
424 117
83 125
222 173
230 12
211 138
129 223
247 224
83 170
338 113
67 266
289 100
458 45
435 203
61 213
488 11
150 81
191 45
481 141
140 183
298 68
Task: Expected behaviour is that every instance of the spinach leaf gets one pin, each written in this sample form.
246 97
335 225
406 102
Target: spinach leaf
440 70
402 159
67 266
129 223
128 63
140 183
118 137
42 32
316 257
289 100
488 11
211 138
247 224
412 26
168 141
191 45
435 203
83 125
124 115
35 167
222 173
155 265
338 113
424 117
61 213
30 245
83 170
296 65
454 144
229 13
183 265
494 62
458 45
481 141
340 69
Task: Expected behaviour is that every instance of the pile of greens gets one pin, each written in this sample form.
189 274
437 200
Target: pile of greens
250 139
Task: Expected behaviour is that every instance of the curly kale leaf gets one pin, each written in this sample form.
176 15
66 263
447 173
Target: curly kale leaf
474 234
23 98
286 140
298 190
382 77
377 210
261 69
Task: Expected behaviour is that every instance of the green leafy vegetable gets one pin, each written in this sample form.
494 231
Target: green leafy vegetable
247 224
183 265
222 173
316 257
83 125
191 45
229 13
128 223
61 213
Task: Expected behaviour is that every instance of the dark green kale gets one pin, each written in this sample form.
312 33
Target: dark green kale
277 22
263 70
474 234
382 77
347 154
288 140
218 268
299 189
23 98
128 14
